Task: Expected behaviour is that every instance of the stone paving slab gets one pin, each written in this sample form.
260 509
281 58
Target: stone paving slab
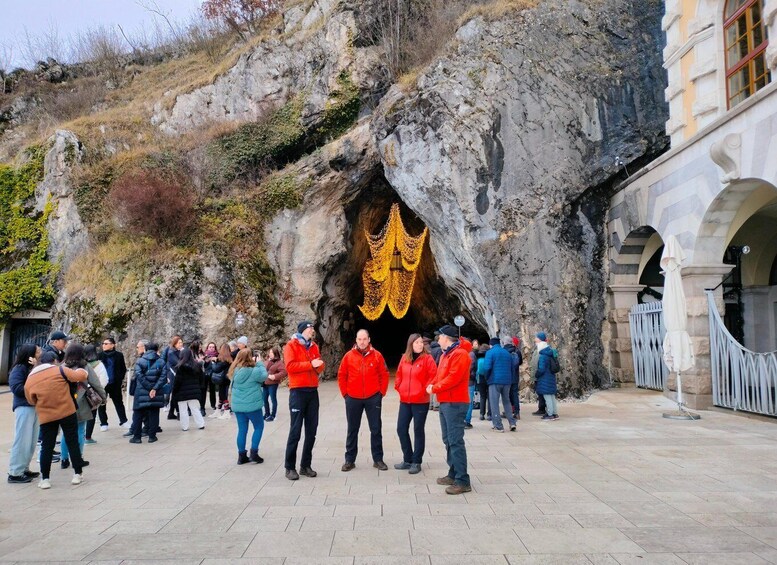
611 482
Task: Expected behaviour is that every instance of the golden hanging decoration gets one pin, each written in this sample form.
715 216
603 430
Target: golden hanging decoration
389 275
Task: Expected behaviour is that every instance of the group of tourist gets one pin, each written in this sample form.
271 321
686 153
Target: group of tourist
66 386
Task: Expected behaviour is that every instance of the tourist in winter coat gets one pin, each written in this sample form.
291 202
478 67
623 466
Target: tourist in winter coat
148 392
117 371
363 378
514 350
171 356
415 372
546 380
473 376
219 370
209 391
246 402
276 372
56 345
188 389
304 365
498 366
75 357
482 383
436 352
26 426
451 386
48 388
92 358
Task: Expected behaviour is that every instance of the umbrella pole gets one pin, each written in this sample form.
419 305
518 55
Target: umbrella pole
682 413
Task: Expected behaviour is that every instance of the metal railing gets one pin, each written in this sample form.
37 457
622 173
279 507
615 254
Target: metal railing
646 323
741 379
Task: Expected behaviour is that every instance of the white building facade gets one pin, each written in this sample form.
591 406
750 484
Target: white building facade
715 191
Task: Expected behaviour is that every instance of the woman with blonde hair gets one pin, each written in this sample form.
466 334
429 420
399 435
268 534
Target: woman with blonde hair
246 401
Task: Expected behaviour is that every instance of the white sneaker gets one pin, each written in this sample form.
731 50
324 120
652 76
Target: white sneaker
44 484
77 479
225 415
126 425
215 414
104 428
166 408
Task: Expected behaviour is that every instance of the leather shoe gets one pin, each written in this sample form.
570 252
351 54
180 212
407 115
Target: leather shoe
415 468
307 471
292 474
538 413
404 466
135 440
458 489
445 480
128 434
347 467
380 466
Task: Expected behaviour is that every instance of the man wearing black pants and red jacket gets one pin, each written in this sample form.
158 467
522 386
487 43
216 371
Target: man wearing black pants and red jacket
116 369
363 378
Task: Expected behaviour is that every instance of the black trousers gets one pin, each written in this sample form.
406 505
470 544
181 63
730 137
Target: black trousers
303 408
514 399
114 392
90 425
150 416
354 408
416 413
483 389
541 406
49 432
209 388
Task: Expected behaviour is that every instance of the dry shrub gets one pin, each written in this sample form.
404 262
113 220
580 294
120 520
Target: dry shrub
153 203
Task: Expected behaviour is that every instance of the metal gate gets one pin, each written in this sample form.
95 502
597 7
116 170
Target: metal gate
741 379
646 323
28 331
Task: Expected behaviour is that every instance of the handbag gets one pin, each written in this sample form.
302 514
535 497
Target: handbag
93 399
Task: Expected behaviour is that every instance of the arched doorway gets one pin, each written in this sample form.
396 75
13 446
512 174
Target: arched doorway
433 303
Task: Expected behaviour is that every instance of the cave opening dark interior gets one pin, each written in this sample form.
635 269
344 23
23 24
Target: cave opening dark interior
432 304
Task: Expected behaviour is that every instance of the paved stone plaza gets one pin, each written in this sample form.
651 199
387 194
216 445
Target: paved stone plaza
610 482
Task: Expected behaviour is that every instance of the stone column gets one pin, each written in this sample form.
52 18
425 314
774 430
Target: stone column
697 382
618 343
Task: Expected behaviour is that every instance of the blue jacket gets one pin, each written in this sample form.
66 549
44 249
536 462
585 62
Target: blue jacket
498 366
247 388
546 381
16 379
149 374
517 360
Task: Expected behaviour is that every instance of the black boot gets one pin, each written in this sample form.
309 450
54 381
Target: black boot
242 457
255 456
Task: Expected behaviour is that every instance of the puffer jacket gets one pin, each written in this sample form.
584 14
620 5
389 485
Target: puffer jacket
188 383
546 381
149 375
413 378
246 389
451 383
84 412
436 351
498 366
218 371
363 374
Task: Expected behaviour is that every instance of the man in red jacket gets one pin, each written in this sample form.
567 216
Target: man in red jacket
451 385
303 365
363 378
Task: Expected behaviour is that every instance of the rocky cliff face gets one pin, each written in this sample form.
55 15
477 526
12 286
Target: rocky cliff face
505 147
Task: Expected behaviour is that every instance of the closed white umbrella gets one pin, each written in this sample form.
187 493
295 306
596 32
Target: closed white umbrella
678 350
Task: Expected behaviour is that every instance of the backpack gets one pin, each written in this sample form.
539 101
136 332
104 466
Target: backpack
555 366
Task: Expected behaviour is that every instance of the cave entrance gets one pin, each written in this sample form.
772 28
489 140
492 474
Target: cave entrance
432 305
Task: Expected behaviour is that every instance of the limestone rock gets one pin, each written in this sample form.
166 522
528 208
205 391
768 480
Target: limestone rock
67 234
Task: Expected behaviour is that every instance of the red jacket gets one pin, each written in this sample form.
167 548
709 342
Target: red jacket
413 378
298 364
451 383
362 375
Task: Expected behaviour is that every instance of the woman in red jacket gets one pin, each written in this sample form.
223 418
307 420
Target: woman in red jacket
416 370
